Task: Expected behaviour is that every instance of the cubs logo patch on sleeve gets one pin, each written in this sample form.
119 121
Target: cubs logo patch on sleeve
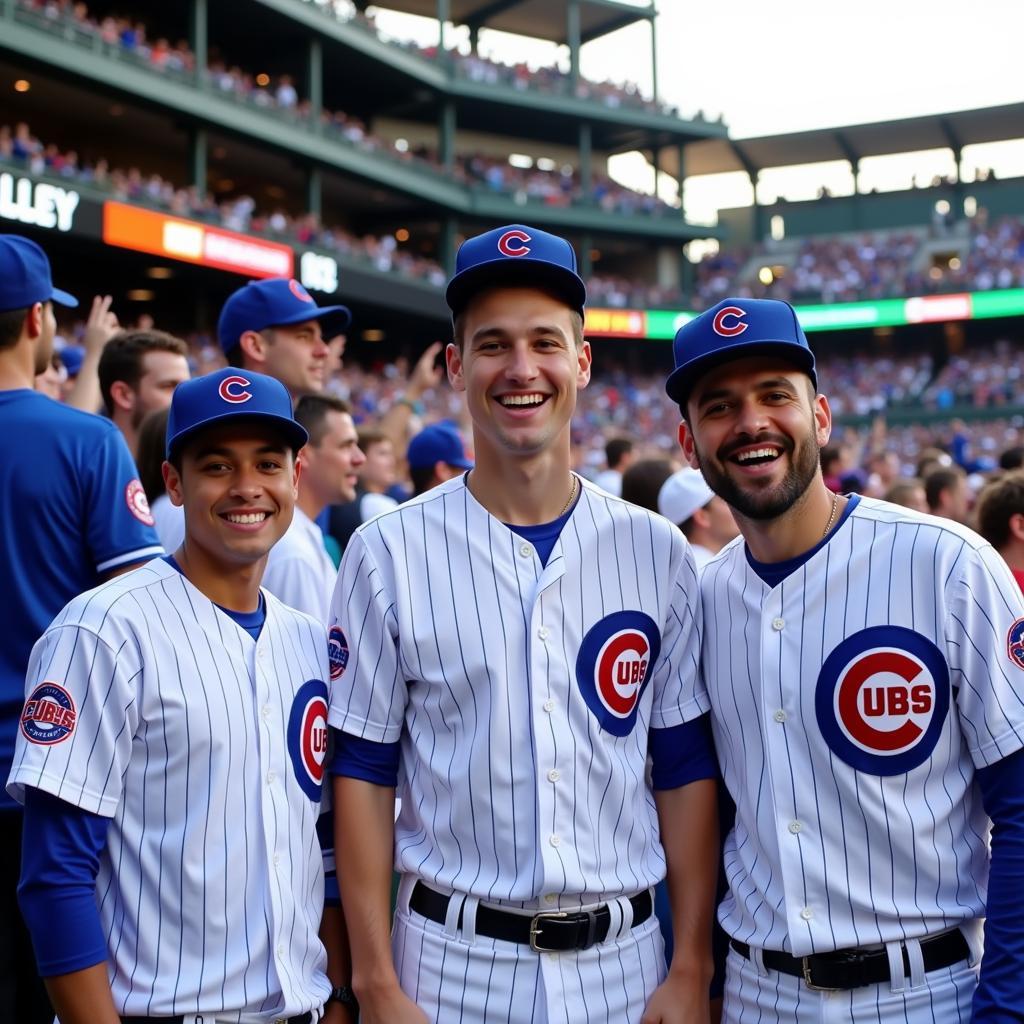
882 698
337 651
138 503
307 736
613 666
49 715
1015 643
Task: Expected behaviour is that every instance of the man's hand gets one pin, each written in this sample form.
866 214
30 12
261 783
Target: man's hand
682 998
425 375
389 1006
101 326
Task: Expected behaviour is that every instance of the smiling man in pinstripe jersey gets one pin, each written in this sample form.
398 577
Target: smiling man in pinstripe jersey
171 754
866 671
509 648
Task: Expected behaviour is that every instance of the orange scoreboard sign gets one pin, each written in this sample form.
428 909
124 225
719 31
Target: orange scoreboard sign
131 227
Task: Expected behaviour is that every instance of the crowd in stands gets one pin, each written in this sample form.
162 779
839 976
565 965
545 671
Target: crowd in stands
520 75
130 37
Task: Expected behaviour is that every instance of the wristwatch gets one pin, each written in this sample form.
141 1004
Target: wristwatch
342 994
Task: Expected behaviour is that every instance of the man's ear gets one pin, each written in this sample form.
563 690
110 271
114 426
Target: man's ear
453 362
254 346
687 444
172 484
122 396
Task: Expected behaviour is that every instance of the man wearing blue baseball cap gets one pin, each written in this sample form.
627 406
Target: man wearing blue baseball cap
171 754
436 454
866 697
514 701
275 327
72 513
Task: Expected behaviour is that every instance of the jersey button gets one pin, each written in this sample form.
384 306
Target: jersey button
780 715
554 775
807 913
778 624
270 778
525 550
795 826
543 632
265 711
550 897
548 706
555 840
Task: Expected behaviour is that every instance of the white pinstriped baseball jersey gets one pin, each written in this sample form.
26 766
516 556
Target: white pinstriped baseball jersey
149 705
299 571
522 694
851 705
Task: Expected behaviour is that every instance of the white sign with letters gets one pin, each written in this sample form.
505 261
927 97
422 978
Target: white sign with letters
318 273
37 202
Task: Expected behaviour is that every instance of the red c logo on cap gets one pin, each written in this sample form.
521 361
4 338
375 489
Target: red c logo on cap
512 243
730 330
232 389
298 291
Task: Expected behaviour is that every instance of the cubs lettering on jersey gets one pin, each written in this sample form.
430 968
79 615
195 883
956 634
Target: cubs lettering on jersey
148 705
523 694
851 705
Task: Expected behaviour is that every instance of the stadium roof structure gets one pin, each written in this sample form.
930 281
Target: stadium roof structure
539 19
851 142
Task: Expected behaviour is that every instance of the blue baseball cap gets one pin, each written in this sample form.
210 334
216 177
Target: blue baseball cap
516 254
440 442
735 329
72 356
226 394
275 302
25 277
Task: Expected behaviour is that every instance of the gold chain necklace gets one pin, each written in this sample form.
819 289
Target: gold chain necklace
832 514
572 494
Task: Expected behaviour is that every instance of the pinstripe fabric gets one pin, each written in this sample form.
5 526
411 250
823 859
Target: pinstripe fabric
468 650
836 844
211 885
751 998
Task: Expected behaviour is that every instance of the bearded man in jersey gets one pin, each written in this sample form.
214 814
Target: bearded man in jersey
171 755
510 647
865 665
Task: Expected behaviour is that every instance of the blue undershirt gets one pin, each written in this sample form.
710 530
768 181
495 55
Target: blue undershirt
251 622
773 573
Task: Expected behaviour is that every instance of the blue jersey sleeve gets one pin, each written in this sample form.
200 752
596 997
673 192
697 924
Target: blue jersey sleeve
61 846
120 525
999 998
682 753
359 758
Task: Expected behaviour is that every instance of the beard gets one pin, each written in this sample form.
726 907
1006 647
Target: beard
768 502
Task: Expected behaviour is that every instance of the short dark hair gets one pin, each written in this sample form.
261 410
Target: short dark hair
1000 499
1012 458
939 480
642 482
369 436
421 477
311 411
900 490
122 357
616 449
150 453
11 323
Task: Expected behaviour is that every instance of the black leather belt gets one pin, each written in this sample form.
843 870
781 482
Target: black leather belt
302 1018
854 968
548 932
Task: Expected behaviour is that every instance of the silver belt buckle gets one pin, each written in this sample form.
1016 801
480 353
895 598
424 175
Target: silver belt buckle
535 926
805 966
